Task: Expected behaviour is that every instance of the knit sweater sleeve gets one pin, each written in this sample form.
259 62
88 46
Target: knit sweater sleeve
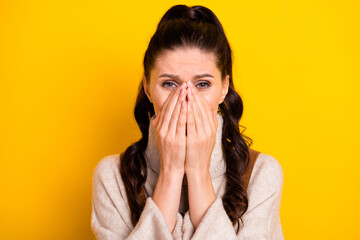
261 220
110 217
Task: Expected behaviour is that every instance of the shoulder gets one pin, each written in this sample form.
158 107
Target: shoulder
267 172
107 167
107 181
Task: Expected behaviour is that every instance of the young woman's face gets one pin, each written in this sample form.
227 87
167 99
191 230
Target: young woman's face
174 67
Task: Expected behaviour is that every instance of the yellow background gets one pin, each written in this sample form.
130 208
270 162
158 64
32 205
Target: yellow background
69 74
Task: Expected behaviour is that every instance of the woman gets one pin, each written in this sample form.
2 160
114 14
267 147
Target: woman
192 174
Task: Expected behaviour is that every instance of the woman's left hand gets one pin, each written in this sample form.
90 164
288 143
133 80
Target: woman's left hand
201 133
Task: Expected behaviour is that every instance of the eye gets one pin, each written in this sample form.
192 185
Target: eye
168 84
203 84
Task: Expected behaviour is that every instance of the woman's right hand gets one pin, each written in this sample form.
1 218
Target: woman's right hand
169 128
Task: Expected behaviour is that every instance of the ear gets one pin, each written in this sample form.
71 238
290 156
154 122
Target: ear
146 88
225 88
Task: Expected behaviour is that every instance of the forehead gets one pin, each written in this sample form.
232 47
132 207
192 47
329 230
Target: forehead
186 61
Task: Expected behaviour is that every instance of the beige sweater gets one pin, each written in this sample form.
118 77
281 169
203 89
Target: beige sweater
110 218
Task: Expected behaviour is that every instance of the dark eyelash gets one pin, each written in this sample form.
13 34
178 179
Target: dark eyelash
165 84
207 83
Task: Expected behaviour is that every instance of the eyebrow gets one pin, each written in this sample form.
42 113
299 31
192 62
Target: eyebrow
177 76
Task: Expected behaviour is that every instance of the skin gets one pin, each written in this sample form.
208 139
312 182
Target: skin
183 98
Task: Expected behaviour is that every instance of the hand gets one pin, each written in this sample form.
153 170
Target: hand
169 129
201 132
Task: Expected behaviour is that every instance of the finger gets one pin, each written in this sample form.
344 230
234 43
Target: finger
165 107
202 124
168 114
181 124
190 110
204 105
176 113
210 113
155 120
159 117
207 111
214 116
190 121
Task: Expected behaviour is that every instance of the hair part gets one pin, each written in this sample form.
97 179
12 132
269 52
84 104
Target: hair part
196 26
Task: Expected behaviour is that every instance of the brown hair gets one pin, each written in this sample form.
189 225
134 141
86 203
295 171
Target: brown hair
195 26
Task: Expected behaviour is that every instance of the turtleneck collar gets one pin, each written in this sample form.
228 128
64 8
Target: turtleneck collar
217 164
